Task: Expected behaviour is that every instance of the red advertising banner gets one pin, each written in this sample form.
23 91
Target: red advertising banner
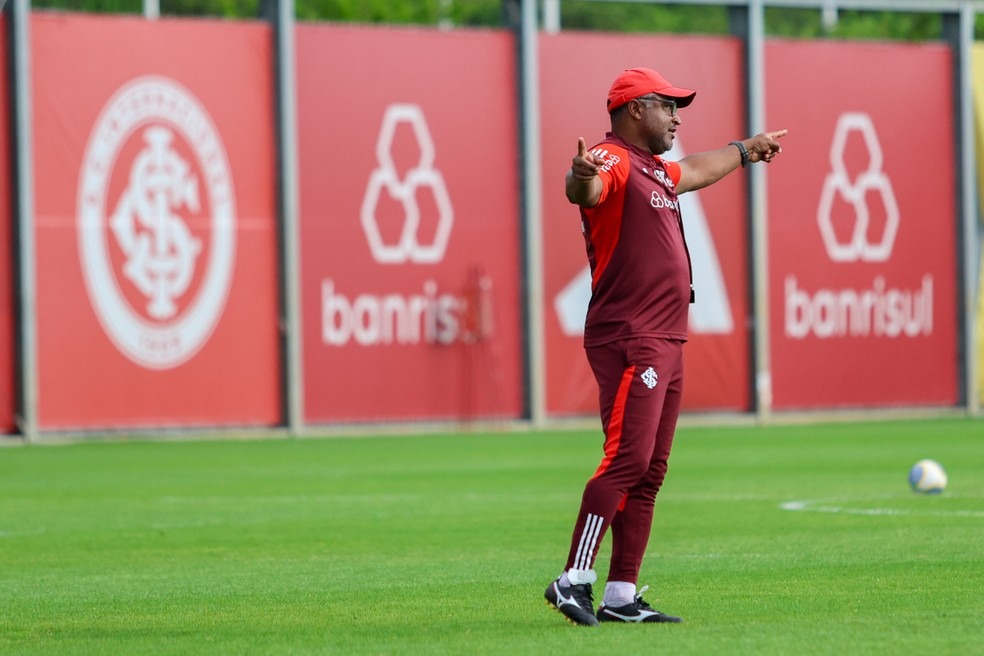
8 385
409 223
861 226
576 71
156 223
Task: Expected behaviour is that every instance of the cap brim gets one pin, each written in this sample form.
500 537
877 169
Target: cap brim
683 97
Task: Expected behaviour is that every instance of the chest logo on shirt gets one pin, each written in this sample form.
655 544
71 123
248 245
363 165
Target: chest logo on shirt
660 175
649 377
660 200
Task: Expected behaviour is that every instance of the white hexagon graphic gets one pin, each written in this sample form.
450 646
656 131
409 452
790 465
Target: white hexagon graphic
838 183
408 247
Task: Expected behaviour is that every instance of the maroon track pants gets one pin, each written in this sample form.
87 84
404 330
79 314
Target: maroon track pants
640 382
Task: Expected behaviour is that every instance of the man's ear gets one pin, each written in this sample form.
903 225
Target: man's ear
634 109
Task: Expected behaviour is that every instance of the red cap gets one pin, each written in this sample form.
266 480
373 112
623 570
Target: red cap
636 82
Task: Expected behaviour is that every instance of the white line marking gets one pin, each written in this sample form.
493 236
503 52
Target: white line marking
821 506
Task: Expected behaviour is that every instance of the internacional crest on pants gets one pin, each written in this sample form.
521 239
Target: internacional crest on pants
649 377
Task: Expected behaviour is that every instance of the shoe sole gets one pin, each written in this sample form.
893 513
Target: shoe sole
613 620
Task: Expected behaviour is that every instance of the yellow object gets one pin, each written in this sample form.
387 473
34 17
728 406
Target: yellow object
978 93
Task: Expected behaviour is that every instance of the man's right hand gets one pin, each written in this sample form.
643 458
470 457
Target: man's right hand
585 165
583 185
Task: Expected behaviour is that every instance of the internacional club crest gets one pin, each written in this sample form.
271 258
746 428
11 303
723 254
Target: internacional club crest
650 378
156 222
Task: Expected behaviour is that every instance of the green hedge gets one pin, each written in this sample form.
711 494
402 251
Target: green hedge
575 15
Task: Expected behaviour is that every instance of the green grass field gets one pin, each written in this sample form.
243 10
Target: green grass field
443 544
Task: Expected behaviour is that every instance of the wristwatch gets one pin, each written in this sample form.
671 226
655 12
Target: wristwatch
742 150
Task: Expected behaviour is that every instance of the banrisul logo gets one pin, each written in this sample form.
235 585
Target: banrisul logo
421 181
427 315
156 222
865 201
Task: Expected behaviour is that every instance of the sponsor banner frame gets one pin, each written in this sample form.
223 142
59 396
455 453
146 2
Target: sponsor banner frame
862 241
572 99
410 225
156 224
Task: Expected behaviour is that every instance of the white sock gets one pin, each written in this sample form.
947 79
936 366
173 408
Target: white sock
578 577
619 593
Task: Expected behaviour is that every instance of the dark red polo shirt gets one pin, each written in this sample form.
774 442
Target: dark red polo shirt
640 267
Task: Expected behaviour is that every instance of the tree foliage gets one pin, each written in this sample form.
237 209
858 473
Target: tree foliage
575 15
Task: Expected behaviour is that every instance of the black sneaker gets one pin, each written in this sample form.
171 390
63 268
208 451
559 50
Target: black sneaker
575 602
638 611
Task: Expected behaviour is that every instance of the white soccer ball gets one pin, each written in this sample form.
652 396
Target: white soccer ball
927 477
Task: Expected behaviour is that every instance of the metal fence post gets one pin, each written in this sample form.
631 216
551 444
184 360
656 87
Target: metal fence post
755 43
281 15
25 328
958 31
521 14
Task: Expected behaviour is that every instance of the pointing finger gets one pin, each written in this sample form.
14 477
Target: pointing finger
582 148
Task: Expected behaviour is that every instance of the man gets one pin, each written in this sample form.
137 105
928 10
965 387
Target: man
641 290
